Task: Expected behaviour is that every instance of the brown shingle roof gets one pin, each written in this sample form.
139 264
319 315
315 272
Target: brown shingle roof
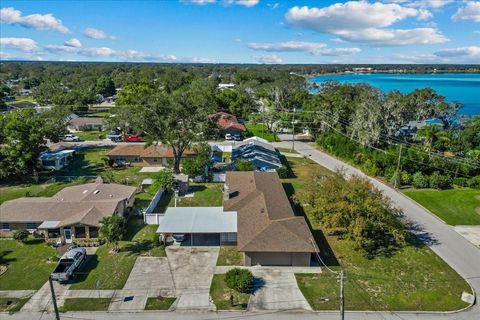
86 203
266 221
153 151
81 121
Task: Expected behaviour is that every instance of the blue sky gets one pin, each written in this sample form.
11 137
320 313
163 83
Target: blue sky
243 31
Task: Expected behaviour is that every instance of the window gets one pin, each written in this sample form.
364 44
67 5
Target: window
154 159
32 226
80 232
93 232
5 226
53 233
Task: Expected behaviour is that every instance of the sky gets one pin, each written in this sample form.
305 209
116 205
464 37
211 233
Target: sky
242 31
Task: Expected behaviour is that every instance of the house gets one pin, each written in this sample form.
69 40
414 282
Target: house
256 216
268 233
25 92
223 86
259 152
154 155
86 124
228 123
55 160
73 213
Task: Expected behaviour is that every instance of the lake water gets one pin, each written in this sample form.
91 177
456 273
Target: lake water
464 88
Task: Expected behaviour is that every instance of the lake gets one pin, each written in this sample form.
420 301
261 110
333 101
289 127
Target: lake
464 87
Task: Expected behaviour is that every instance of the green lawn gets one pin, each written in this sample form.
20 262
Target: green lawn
112 269
261 130
85 304
455 206
29 264
11 305
34 190
221 294
159 303
91 135
22 99
205 195
414 278
229 256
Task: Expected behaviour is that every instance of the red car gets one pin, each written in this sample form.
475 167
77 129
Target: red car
133 138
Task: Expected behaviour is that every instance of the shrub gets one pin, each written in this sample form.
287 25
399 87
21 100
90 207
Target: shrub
156 240
282 172
21 235
244 165
474 182
440 181
240 280
405 178
419 180
460 181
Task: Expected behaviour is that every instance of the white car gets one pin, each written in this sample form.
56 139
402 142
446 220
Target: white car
70 138
228 136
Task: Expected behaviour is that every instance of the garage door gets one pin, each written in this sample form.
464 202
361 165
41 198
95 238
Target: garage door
271 258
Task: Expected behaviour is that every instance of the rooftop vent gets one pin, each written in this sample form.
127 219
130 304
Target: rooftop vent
96 191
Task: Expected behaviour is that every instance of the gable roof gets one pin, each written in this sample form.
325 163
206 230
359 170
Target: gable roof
227 121
152 151
257 151
266 221
80 121
86 204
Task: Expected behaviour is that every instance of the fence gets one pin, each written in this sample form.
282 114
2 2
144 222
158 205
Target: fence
149 216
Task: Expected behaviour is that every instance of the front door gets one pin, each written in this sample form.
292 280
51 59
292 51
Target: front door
67 233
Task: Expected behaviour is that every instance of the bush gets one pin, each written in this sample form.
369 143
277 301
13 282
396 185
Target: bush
240 280
282 172
440 181
21 235
244 165
405 178
156 240
474 182
419 180
460 181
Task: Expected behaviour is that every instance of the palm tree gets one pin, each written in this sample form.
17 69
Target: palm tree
112 229
431 134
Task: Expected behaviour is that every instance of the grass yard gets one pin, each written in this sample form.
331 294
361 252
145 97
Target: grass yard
85 304
90 135
159 303
221 294
414 278
112 269
261 130
205 195
12 305
29 264
229 256
35 190
455 206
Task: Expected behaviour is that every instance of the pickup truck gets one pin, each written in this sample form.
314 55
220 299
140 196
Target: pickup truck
114 136
70 138
133 138
69 262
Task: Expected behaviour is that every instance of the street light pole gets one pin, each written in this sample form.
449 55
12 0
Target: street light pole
293 130
342 299
54 298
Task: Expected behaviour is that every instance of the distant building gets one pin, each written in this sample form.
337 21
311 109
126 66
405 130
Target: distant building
153 156
86 124
55 160
228 123
223 86
259 152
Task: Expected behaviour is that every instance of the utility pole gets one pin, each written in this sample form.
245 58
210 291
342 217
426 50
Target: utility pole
54 298
398 167
342 299
293 130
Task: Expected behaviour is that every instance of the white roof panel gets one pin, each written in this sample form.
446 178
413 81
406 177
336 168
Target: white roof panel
198 220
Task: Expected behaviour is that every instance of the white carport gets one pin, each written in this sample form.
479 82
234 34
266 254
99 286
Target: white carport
200 223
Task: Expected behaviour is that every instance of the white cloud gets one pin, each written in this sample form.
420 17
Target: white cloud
274 6
314 48
74 42
450 55
435 4
245 3
8 56
424 14
22 44
36 21
476 32
471 11
95 33
61 48
364 22
472 52
269 59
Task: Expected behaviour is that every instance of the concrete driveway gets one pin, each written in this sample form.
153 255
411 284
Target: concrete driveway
193 269
150 276
276 289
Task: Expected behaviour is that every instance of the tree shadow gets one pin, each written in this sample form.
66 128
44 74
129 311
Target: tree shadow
258 283
34 241
137 247
418 236
290 191
90 263
197 188
4 259
290 172
326 252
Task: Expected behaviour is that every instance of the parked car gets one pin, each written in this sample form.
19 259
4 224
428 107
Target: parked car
237 137
114 136
133 138
70 138
69 262
228 136
178 237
